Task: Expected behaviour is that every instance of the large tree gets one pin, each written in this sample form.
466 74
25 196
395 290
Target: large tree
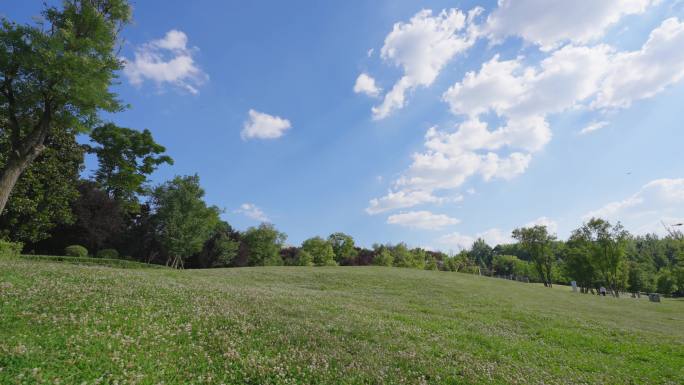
538 243
183 220
125 159
56 75
482 253
606 244
321 251
261 246
43 197
344 248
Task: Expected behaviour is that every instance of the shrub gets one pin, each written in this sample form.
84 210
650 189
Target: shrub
108 253
76 251
10 249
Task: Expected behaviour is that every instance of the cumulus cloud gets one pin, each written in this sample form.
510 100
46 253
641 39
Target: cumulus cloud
424 220
422 47
250 210
365 84
264 126
166 61
550 23
522 97
643 211
642 74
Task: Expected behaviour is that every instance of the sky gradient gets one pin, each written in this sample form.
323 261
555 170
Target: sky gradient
430 122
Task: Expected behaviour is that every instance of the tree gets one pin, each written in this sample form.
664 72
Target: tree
261 246
320 250
220 249
56 76
98 222
401 255
183 221
419 256
538 242
482 253
505 264
343 247
606 244
383 257
666 282
638 278
43 197
304 258
431 262
125 158
578 266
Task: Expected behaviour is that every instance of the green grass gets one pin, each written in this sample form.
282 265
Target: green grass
111 262
339 325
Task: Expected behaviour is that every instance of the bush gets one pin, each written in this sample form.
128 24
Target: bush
76 251
10 249
108 253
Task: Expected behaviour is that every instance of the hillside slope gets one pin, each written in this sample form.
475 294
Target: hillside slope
338 325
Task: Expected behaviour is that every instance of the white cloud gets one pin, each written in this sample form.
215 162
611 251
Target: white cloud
167 60
642 74
593 126
401 199
365 84
425 220
551 225
264 126
250 210
422 47
656 201
460 241
549 23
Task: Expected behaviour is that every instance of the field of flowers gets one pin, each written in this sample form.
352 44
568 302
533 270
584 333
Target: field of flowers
73 324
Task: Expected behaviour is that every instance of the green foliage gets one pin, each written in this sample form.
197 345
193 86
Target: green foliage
638 279
56 76
10 249
383 257
402 256
42 197
430 262
183 220
76 251
222 247
538 243
320 250
125 157
304 258
482 253
605 244
578 266
343 247
262 245
505 264
108 254
666 282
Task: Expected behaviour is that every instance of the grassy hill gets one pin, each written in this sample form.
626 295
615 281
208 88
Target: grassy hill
93 324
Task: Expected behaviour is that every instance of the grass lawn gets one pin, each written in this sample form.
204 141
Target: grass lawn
77 324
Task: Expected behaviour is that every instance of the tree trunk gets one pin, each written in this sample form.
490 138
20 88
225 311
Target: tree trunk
10 174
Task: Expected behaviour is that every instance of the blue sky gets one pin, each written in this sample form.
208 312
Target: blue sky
430 122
